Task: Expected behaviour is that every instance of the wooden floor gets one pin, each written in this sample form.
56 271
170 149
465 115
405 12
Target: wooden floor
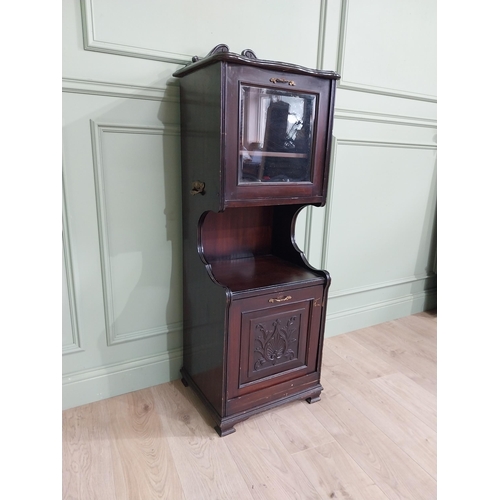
371 437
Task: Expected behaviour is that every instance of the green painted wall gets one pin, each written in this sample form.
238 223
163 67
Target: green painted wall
122 323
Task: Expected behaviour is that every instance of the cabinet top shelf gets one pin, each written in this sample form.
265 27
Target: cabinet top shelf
221 53
274 154
259 272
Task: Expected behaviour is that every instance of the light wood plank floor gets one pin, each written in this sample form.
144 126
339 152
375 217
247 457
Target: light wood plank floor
371 437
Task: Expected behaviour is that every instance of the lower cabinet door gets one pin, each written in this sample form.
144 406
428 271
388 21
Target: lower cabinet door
273 343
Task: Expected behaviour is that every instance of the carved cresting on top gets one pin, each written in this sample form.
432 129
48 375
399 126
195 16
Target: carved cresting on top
249 53
218 48
248 57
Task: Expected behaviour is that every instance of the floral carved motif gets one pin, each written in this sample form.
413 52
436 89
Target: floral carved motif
275 343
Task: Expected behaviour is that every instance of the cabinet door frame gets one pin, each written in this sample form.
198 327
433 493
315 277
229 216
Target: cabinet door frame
244 315
285 192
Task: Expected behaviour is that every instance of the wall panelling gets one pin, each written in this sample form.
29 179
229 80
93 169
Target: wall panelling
121 223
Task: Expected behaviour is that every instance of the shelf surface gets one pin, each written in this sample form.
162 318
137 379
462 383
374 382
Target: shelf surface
252 273
275 154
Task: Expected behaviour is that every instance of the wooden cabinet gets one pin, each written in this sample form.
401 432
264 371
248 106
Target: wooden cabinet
275 353
255 145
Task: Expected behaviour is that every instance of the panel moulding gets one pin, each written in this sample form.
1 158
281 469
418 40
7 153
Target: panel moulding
386 144
115 368
112 89
384 118
379 312
328 211
381 304
384 284
321 34
97 129
75 346
91 42
319 64
361 87
328 214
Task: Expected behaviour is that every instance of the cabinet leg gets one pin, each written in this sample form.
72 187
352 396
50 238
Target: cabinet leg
314 398
184 382
224 430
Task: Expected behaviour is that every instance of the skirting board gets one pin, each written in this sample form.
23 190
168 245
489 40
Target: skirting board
380 312
102 383
95 385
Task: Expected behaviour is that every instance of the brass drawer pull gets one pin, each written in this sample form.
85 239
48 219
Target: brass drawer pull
282 299
282 80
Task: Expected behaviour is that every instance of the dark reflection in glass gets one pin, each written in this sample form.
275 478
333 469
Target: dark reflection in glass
276 131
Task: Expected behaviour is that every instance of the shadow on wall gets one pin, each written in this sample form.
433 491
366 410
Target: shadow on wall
140 242
428 246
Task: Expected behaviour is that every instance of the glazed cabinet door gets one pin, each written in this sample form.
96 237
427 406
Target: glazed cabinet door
277 126
273 345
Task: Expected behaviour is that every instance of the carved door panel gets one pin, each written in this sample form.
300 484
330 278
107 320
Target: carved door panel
273 338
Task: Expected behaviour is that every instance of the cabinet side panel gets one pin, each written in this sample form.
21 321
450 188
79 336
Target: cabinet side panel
204 302
204 335
201 134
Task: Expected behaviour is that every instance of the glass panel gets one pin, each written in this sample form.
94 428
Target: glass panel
276 135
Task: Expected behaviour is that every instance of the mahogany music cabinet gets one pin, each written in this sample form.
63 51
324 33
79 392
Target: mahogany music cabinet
255 146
